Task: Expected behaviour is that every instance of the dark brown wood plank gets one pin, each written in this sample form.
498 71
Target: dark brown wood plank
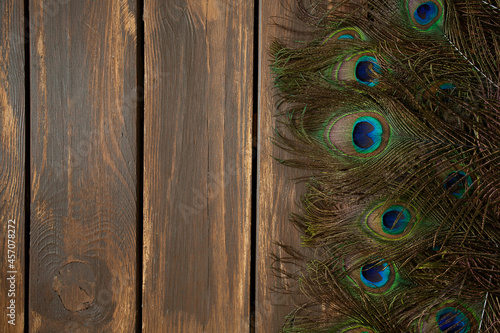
83 166
197 166
278 192
12 161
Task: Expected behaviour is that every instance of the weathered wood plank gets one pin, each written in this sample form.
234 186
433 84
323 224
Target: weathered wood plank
278 192
12 162
197 166
83 166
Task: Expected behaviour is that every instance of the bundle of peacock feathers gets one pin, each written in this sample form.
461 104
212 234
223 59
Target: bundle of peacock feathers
394 107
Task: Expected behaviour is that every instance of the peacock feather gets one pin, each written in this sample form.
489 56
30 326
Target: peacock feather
394 108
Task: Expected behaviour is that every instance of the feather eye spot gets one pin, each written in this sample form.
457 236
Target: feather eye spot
443 90
362 134
452 320
362 68
375 275
447 86
390 222
458 183
425 14
346 34
449 316
367 69
395 220
447 89
367 134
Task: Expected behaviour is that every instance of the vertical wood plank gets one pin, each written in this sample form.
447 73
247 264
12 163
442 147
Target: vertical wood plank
197 166
83 166
278 193
12 171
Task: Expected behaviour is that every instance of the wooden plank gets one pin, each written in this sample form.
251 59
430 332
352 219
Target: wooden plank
197 166
278 193
12 162
83 166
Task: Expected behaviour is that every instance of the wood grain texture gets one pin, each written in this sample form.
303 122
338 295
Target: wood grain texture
197 166
83 166
278 193
12 162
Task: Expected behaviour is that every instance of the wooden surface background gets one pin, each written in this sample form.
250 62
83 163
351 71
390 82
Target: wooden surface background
136 164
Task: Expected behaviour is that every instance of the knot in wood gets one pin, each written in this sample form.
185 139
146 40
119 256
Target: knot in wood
75 284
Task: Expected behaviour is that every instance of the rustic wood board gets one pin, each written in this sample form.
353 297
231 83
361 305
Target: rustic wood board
12 162
83 166
197 165
278 192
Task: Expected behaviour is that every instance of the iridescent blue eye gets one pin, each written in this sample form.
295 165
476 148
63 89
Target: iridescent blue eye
395 220
458 182
447 86
367 69
452 320
359 134
363 68
375 275
425 13
346 37
345 33
367 134
391 222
